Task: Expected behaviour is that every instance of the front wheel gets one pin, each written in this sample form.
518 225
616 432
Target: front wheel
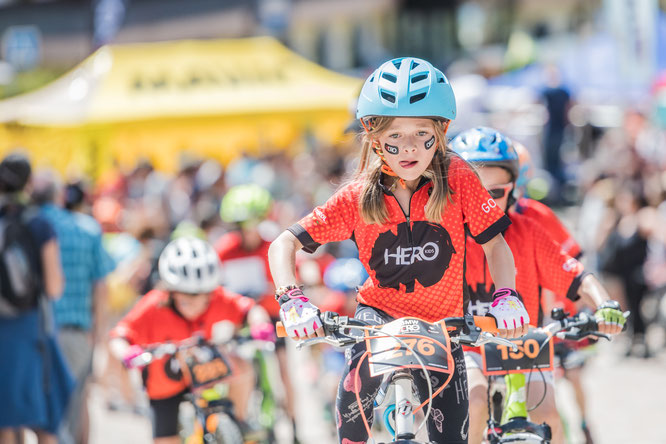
523 438
227 431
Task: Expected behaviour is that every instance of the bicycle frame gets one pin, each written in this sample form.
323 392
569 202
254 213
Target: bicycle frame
514 425
466 330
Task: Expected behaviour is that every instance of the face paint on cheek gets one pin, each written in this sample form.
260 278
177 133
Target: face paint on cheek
391 149
430 142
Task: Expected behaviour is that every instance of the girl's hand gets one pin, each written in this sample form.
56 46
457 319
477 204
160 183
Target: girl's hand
300 317
132 352
510 314
610 318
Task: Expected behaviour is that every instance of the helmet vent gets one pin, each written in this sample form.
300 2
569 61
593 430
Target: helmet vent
390 77
198 273
414 64
184 269
372 79
195 253
397 63
417 97
388 97
419 77
441 80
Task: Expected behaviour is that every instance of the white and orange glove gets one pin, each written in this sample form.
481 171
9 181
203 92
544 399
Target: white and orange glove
298 315
509 312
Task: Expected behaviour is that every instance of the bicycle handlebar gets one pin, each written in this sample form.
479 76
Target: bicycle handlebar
575 327
155 351
468 330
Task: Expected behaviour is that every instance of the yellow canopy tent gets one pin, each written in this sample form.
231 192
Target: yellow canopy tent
210 98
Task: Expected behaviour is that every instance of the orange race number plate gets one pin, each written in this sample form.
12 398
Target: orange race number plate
429 341
204 365
535 351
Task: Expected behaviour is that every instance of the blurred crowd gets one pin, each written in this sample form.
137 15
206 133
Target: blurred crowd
618 213
622 222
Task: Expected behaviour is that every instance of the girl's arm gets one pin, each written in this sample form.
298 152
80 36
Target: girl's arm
282 259
500 262
503 271
302 318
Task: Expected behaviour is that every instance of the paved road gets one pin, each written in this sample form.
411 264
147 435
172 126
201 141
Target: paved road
627 403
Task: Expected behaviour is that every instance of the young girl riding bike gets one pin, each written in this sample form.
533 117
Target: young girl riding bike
192 302
540 263
407 209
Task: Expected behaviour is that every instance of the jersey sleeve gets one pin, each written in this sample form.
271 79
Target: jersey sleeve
235 307
483 218
558 271
549 220
334 221
133 326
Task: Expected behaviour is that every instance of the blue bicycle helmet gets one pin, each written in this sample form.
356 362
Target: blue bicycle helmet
345 274
407 87
488 147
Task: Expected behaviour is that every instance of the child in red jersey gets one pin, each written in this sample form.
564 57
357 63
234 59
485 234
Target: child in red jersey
407 210
192 303
243 253
571 354
540 262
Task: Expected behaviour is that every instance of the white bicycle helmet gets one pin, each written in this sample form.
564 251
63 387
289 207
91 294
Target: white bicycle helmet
189 265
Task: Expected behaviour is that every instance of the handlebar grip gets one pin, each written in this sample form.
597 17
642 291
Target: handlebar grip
486 323
280 330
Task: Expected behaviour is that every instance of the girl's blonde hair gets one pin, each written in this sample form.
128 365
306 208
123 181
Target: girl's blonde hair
369 172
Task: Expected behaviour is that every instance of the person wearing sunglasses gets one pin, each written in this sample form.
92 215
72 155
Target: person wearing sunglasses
540 263
189 302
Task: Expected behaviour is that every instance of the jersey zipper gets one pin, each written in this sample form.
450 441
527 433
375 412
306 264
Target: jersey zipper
409 224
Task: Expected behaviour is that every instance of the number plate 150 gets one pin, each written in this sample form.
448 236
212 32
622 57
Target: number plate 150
535 351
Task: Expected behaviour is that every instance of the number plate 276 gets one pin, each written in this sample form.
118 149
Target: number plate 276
535 351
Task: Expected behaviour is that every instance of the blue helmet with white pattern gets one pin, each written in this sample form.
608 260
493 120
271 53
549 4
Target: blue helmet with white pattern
488 147
407 87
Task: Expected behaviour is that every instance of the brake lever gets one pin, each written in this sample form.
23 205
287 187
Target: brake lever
302 343
489 337
328 340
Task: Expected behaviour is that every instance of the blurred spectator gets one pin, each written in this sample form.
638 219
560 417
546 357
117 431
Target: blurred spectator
624 255
557 102
36 383
79 314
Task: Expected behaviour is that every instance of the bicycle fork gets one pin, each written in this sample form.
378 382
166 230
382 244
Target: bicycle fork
515 405
404 407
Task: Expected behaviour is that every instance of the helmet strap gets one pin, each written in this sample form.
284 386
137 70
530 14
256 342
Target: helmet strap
386 169
376 147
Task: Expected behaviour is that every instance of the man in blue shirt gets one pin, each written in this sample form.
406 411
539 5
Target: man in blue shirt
78 313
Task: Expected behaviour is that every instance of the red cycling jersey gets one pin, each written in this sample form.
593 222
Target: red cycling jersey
548 220
154 320
539 263
416 267
247 272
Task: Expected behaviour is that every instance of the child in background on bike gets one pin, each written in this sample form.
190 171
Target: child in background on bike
407 209
191 303
571 355
540 263
243 253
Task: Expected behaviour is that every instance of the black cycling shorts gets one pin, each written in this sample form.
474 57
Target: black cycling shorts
165 415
